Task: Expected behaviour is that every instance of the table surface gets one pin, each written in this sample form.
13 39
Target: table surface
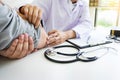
36 67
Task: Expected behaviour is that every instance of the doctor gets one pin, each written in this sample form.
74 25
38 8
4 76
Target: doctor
63 19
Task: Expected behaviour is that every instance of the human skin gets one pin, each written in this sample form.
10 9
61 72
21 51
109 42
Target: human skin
24 44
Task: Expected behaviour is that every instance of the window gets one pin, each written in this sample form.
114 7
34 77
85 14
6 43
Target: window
93 3
107 13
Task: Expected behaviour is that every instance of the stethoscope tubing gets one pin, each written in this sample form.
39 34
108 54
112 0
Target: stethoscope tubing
88 59
79 55
66 54
58 61
71 61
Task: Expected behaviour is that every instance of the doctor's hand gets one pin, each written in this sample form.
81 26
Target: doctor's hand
56 37
19 48
32 14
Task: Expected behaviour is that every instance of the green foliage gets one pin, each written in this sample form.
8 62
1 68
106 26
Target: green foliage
104 23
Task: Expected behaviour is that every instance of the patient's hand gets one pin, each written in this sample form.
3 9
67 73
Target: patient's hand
32 14
19 48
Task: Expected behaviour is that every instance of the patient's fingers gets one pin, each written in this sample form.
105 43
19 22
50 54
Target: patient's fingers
10 50
19 47
25 47
31 44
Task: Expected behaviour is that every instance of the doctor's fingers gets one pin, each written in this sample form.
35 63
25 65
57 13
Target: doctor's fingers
24 10
36 17
51 40
58 40
34 14
53 31
54 41
19 47
55 34
22 15
27 10
30 13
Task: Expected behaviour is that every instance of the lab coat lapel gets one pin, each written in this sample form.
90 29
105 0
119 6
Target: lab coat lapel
66 6
79 4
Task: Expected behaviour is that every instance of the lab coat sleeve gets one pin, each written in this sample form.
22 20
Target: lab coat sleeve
84 26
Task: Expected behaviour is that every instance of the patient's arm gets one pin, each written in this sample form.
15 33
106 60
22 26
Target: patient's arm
23 46
43 39
19 48
33 15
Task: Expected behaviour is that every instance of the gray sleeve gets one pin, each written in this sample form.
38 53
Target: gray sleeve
12 25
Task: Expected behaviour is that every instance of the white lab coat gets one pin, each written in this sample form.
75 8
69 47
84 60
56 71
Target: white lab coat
58 15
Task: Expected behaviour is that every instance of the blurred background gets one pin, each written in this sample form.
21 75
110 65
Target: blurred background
104 13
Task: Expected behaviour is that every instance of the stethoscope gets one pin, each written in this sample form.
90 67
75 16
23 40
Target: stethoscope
79 55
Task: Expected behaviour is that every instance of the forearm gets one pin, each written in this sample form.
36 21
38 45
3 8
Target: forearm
70 34
43 39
